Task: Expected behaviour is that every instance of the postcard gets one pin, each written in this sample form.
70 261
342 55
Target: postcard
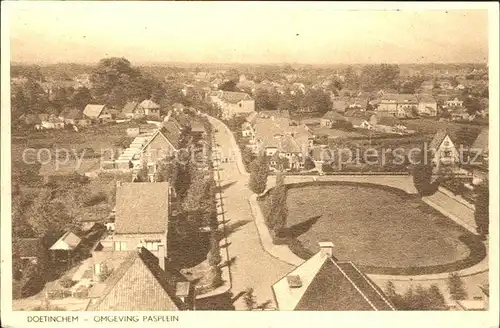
192 163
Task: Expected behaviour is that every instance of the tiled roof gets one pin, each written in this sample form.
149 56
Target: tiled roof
142 207
329 285
399 98
93 111
234 97
150 104
68 241
72 113
139 284
426 98
334 116
438 139
481 141
275 113
171 131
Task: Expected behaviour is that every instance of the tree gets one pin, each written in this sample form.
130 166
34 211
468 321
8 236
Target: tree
422 174
47 215
81 98
482 213
229 86
317 101
416 299
456 287
472 105
259 170
249 299
214 258
278 210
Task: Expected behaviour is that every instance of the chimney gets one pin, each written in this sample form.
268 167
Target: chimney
161 256
326 248
182 290
294 281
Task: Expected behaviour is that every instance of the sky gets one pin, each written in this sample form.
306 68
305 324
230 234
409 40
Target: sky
319 33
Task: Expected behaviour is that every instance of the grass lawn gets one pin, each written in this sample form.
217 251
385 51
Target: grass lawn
321 130
431 126
373 227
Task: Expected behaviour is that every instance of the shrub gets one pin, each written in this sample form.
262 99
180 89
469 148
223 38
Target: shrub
456 287
95 199
105 272
258 174
66 282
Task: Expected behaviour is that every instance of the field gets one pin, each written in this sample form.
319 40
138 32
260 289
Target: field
431 126
335 133
373 227
93 140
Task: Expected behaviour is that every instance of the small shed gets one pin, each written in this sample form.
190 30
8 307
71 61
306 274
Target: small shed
64 248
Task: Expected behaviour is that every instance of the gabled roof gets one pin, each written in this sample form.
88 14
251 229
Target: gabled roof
129 107
149 104
234 97
438 139
399 98
481 141
426 98
275 113
93 111
139 284
329 285
171 131
68 241
71 113
334 116
142 207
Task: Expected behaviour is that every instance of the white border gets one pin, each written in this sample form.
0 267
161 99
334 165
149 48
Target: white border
272 319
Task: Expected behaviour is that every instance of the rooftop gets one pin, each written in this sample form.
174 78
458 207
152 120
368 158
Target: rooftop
322 283
142 207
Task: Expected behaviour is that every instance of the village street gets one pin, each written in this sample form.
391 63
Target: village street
252 267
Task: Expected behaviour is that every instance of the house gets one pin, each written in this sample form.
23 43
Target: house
325 284
142 216
390 103
460 114
74 116
364 119
331 118
479 157
130 109
149 108
197 130
143 282
454 103
443 149
64 249
164 143
52 122
233 103
427 105
97 112
277 136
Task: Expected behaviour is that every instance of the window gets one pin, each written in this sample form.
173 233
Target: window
239 104
447 153
97 268
120 246
446 143
152 245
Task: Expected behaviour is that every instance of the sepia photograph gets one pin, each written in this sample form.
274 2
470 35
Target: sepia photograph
229 156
